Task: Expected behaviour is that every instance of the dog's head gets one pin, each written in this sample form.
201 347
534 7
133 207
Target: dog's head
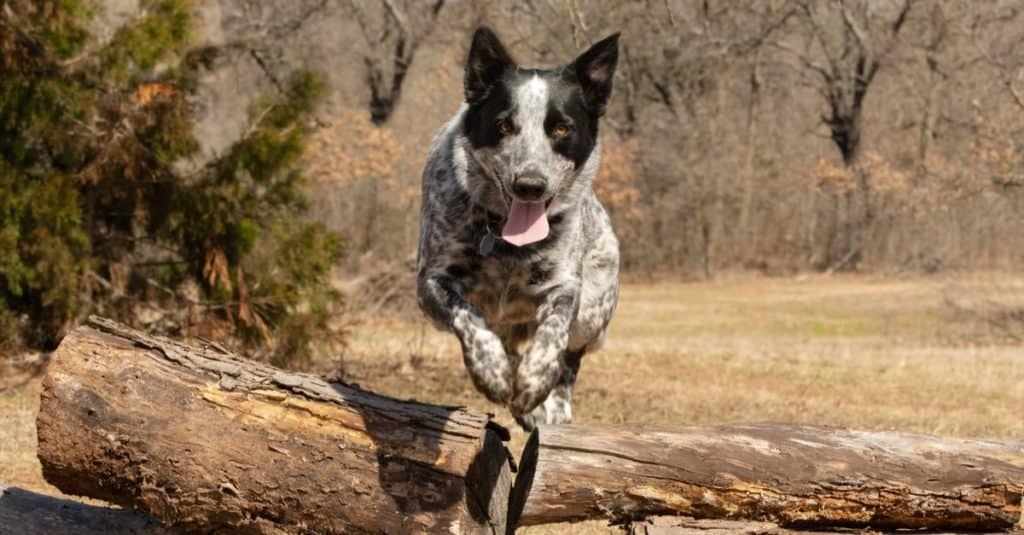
534 130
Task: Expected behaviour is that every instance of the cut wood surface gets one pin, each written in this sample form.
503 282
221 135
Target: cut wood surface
205 440
794 476
23 512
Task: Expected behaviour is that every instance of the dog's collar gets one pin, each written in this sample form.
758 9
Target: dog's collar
486 244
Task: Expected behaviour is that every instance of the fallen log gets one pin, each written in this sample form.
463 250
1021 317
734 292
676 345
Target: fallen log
794 476
23 512
684 525
206 441
203 440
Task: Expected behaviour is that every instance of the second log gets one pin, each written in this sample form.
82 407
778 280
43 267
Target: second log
795 476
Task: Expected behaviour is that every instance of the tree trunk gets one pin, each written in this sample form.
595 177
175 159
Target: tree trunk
204 440
751 174
794 476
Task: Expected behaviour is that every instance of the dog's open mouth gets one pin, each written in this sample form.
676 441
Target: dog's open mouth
527 223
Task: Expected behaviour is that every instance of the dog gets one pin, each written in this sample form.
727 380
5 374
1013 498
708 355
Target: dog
514 245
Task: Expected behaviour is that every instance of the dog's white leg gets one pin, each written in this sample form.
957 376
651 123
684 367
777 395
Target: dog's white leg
482 350
541 366
557 407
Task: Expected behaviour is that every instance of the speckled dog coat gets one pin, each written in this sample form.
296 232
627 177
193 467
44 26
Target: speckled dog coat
517 256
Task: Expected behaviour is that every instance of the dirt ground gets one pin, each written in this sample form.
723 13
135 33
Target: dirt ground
873 353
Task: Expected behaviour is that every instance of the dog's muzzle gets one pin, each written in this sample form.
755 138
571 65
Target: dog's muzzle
529 187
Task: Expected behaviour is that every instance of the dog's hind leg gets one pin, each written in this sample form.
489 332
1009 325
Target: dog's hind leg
557 407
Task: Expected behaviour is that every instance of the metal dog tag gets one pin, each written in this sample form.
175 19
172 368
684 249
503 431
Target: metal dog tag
486 244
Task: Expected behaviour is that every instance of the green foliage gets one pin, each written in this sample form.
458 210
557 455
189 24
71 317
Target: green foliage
139 48
43 252
239 216
96 216
289 256
57 25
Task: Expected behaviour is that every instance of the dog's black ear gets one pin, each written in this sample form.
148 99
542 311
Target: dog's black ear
487 61
595 69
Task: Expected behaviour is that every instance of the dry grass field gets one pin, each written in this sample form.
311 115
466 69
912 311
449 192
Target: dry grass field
845 351
875 353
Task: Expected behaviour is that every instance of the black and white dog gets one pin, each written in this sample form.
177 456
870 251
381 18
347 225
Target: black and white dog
514 245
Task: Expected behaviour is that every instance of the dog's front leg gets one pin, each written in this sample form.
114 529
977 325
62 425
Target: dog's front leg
482 351
541 366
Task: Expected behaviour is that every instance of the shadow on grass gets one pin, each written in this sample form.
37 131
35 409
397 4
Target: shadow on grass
28 513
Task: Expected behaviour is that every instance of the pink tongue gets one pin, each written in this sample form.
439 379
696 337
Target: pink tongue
527 223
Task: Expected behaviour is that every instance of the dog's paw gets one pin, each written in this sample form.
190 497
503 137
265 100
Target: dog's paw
555 410
489 367
527 400
524 400
534 381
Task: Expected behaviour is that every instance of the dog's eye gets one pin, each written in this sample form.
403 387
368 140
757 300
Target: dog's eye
560 131
506 127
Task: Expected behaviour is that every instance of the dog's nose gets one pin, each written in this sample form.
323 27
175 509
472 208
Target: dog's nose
529 187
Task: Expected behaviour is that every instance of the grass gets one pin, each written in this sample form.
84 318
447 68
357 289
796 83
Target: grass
872 353
18 463
846 351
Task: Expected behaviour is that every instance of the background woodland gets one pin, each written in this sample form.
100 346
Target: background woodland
215 167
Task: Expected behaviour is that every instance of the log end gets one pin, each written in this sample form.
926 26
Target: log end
524 480
488 483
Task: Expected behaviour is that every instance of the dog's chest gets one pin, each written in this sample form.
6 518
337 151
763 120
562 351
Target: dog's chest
505 294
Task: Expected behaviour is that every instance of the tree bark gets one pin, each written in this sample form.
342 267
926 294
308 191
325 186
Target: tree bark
795 476
24 512
204 441
684 525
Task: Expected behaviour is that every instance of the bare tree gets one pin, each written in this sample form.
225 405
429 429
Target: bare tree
771 134
849 41
997 35
393 31
845 44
